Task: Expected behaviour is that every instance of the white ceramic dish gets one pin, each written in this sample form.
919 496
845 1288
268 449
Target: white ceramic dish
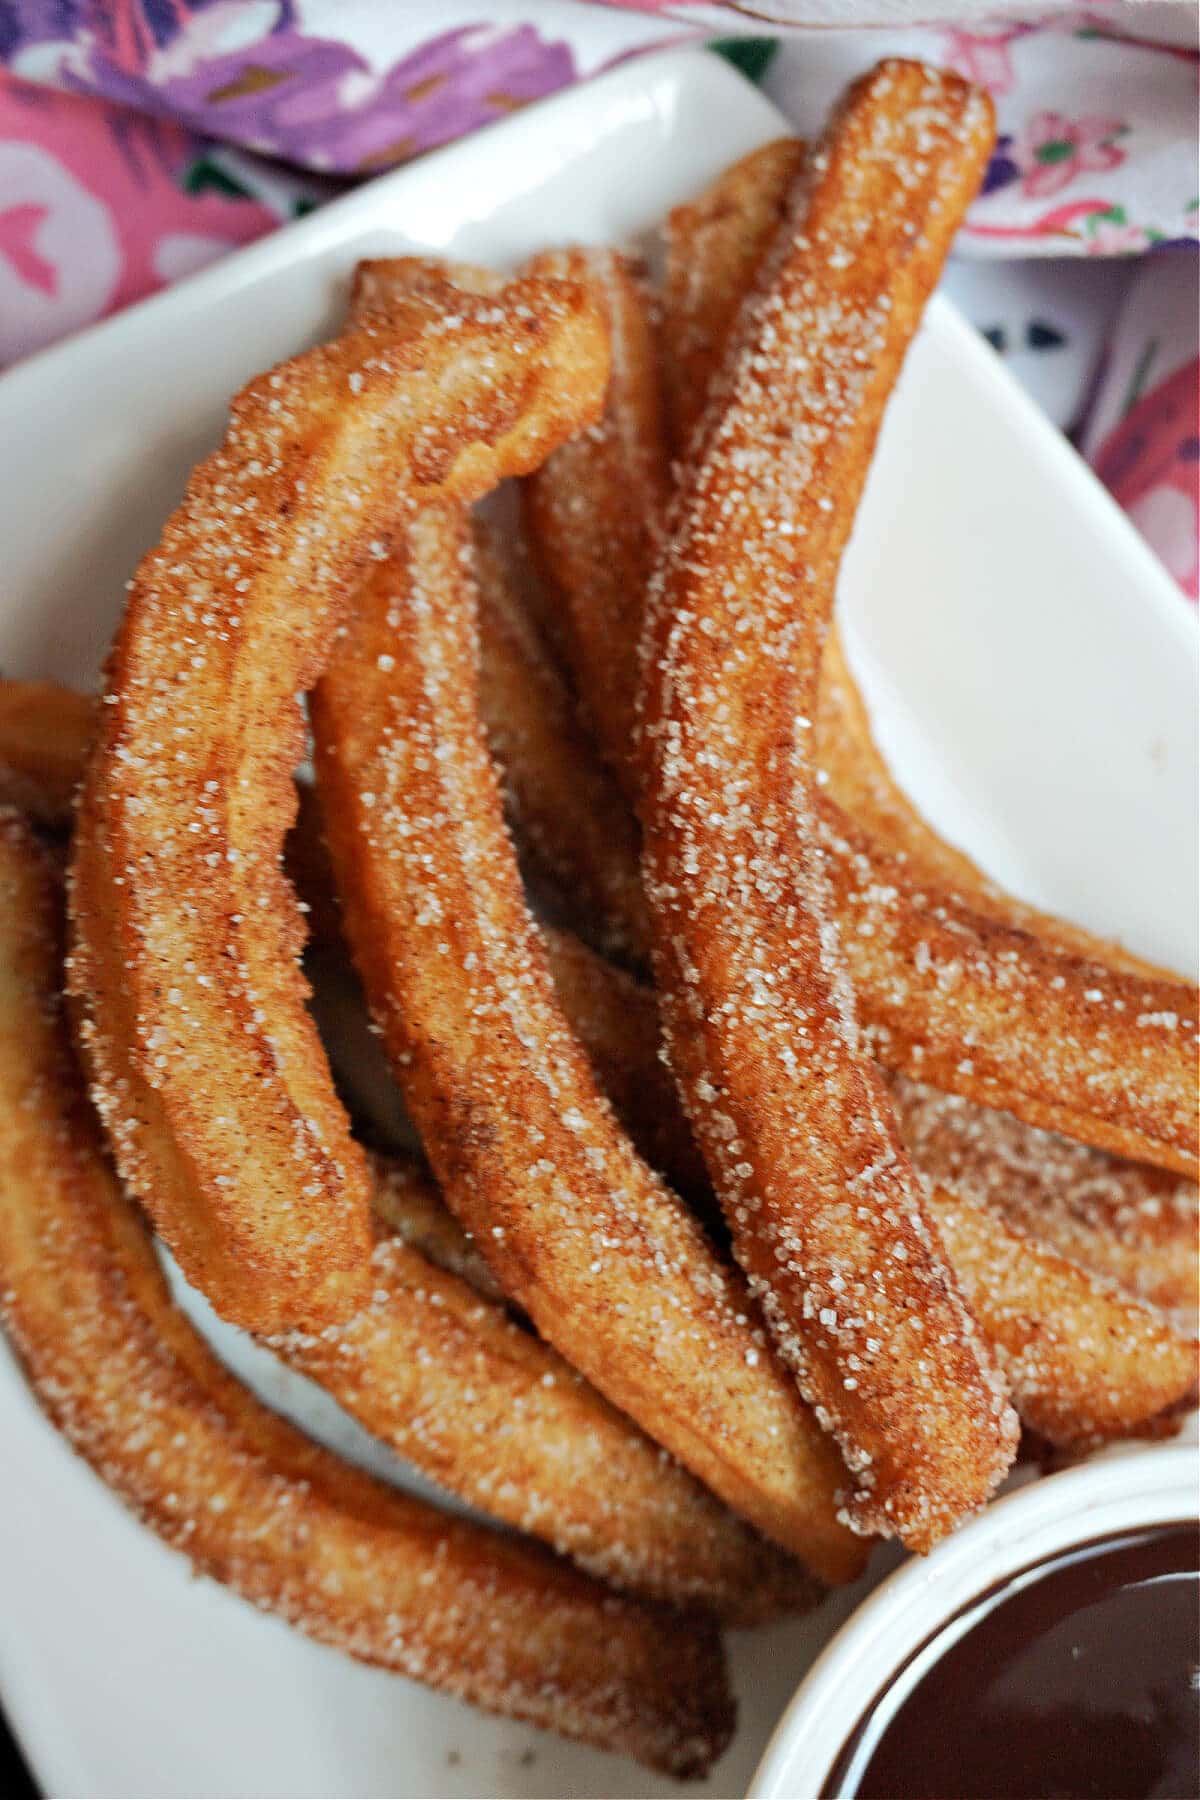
1073 1508
1034 674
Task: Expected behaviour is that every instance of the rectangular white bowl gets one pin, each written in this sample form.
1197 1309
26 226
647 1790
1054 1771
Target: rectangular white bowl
1034 674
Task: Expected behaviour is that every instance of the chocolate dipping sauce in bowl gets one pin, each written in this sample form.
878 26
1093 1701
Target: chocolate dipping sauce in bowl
1050 1650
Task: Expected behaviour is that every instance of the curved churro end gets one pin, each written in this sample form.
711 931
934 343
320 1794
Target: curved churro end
594 508
206 1067
1129 1222
714 245
293 1529
577 837
607 1262
1086 1363
569 817
973 1005
45 733
827 1217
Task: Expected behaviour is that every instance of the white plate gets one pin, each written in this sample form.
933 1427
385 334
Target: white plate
1036 675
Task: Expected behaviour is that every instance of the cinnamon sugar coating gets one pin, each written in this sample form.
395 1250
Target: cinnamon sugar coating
827 1217
607 1263
288 1526
206 1068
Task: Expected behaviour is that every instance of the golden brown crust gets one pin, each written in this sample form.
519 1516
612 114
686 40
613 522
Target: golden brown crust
827 1217
714 245
1126 1221
565 808
984 1009
292 1528
859 781
479 1405
890 908
594 508
1086 1363
45 733
606 1262
616 1020
1029 1221
406 1202
577 837
446 1378
206 1066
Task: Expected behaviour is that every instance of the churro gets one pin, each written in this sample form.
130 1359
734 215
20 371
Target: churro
990 1011
827 1217
919 927
857 779
249 1500
566 810
206 1068
1086 1363
604 1259
446 1378
1042 1234
594 508
45 731
714 245
1131 1223
577 838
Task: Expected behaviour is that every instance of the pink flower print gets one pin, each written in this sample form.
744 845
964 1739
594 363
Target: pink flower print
60 258
983 60
18 231
1108 235
1052 150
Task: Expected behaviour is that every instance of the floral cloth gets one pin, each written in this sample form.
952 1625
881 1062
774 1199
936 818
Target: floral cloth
133 133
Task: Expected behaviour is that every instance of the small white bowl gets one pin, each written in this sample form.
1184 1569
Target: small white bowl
1114 1494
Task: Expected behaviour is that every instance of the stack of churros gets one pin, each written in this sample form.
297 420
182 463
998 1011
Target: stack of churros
750 1170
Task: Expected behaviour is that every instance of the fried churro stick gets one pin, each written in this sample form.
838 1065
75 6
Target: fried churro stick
714 245
1130 1223
206 1068
45 731
290 1527
572 824
594 507
1133 1224
859 781
1028 1220
989 1011
827 1217
616 1020
565 808
406 1201
34 715
1086 1363
891 910
450 1381
607 1263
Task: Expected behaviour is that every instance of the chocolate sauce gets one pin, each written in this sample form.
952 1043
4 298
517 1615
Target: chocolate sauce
1073 1680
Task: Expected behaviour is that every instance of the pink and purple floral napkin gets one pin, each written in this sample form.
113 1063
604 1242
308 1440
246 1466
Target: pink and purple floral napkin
140 139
